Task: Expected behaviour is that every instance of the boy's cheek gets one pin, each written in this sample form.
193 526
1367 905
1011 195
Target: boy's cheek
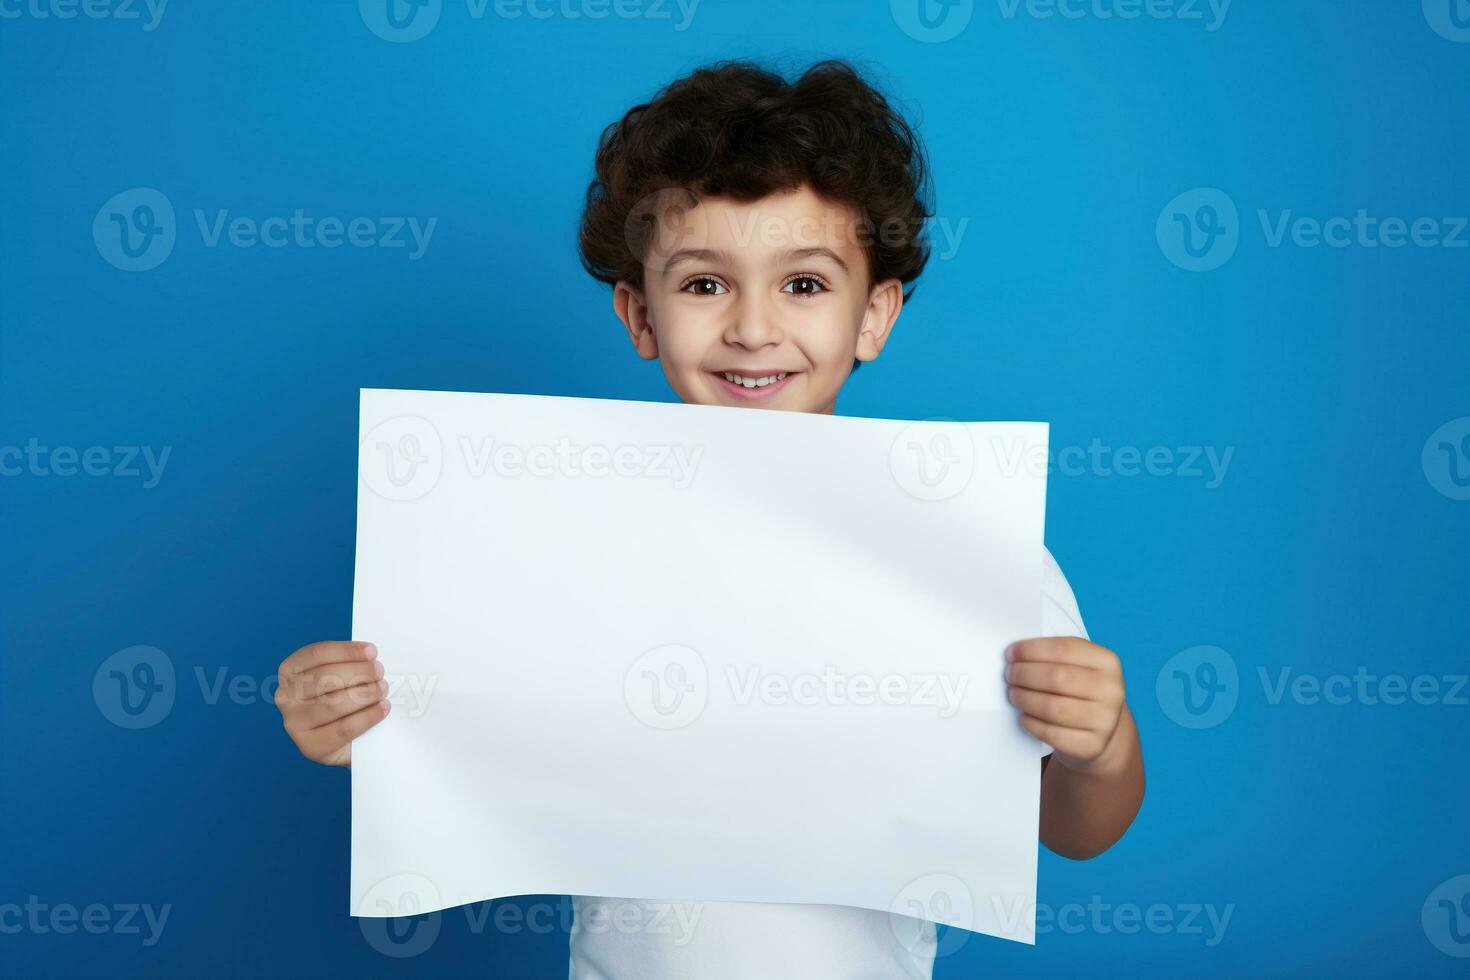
686 387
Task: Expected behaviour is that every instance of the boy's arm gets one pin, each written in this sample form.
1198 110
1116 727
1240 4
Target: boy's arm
1070 692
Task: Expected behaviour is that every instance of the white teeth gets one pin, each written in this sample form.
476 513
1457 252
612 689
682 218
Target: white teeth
737 379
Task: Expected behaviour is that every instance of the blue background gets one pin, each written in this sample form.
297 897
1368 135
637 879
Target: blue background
1326 548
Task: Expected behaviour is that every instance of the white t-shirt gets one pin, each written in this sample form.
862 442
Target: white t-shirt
644 939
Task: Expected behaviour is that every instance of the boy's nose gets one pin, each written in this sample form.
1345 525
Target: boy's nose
754 326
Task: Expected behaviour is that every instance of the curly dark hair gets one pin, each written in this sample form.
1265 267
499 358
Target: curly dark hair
734 129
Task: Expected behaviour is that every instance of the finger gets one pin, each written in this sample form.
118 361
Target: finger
1055 678
1059 710
322 681
328 738
1068 741
315 655
1062 650
306 715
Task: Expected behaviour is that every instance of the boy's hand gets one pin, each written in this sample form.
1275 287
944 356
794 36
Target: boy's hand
329 694
1070 693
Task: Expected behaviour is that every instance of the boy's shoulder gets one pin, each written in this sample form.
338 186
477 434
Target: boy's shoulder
1060 615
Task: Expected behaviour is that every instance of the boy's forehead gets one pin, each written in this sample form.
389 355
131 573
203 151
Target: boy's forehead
797 222
803 206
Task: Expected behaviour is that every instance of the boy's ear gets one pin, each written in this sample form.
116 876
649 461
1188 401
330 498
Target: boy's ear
884 303
632 309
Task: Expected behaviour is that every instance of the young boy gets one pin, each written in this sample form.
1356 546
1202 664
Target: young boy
760 237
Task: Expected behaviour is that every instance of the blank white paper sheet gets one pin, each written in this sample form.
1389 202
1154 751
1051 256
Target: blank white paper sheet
694 653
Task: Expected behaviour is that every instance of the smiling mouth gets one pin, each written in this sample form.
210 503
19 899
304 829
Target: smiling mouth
753 385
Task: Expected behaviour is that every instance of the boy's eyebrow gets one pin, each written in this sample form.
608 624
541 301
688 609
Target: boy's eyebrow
811 253
717 255
696 255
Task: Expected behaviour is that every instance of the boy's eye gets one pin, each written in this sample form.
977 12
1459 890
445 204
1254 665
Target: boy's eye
804 286
704 286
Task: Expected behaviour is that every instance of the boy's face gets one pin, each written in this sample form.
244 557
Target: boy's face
762 304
